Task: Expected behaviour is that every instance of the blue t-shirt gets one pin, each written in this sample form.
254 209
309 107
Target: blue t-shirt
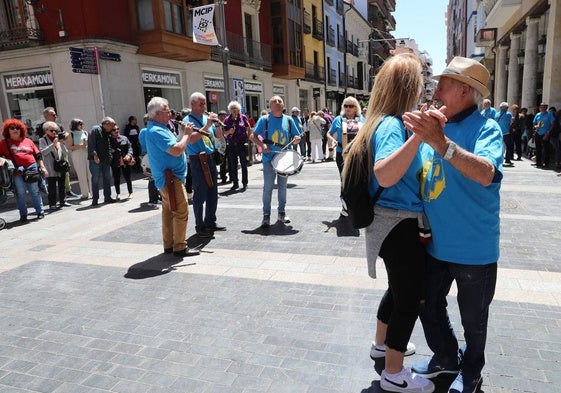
489 113
503 118
464 215
353 127
280 130
159 139
404 195
142 140
204 144
543 120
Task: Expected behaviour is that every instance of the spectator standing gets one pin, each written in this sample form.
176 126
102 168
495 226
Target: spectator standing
488 111
77 144
122 153
316 123
132 131
53 149
543 122
504 118
153 194
516 129
24 154
99 154
295 113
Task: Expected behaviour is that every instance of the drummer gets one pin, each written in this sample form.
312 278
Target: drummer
277 132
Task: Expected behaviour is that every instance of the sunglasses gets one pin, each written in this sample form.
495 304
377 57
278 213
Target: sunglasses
348 106
114 129
14 128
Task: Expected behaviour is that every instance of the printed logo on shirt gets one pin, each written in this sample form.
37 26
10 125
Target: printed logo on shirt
433 180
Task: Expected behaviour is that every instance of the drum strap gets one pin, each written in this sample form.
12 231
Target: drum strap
268 141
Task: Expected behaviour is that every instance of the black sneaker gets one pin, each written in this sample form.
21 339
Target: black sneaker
429 369
109 200
168 250
266 222
215 228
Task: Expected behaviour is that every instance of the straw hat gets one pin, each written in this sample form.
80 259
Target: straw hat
468 71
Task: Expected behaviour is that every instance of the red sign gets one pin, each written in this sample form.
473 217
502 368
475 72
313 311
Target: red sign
214 97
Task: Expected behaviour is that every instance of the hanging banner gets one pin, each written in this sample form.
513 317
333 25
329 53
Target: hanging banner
239 92
203 25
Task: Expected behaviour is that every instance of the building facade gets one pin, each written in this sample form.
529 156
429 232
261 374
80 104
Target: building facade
96 58
518 41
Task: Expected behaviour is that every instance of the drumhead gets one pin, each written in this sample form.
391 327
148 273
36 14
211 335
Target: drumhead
287 163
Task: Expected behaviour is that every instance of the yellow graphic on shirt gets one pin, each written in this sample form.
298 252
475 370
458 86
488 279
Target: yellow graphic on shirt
280 137
207 142
433 180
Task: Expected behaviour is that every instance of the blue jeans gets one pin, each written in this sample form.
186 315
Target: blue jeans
203 194
105 171
476 288
20 188
237 151
269 176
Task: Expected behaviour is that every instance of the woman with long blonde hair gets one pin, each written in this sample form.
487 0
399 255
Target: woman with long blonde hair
394 164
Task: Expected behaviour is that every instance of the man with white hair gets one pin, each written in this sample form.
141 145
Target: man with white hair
460 184
169 168
504 118
100 156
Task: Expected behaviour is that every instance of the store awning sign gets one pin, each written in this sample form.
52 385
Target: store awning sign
26 80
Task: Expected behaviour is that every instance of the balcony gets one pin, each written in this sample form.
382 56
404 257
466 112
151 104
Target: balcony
307 23
500 11
341 44
245 52
331 36
315 72
317 31
332 77
340 7
20 38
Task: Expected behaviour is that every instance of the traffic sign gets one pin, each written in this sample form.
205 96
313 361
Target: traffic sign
83 61
109 56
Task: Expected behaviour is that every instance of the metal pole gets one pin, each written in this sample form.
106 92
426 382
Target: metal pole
225 52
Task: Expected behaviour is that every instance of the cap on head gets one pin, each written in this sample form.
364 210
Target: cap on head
295 109
468 71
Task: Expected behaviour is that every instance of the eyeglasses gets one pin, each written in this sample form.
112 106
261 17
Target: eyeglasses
349 106
51 130
14 128
114 130
166 111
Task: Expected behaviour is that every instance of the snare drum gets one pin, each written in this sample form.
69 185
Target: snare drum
287 163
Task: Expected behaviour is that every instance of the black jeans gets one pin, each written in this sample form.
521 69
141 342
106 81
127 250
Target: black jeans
236 151
126 171
405 260
55 186
476 288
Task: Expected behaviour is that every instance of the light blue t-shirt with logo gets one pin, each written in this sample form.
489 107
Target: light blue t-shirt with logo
280 130
159 139
404 195
464 215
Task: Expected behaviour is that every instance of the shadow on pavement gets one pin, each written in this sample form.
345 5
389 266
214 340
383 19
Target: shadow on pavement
343 227
155 266
144 207
277 229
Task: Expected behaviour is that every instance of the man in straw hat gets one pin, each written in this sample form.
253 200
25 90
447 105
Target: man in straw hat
460 185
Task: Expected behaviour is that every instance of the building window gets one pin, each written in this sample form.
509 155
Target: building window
174 16
145 15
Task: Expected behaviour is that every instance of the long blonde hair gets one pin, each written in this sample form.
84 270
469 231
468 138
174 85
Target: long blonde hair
396 90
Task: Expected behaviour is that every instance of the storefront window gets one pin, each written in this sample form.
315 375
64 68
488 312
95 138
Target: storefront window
28 93
164 84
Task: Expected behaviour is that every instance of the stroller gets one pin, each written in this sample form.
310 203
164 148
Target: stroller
6 173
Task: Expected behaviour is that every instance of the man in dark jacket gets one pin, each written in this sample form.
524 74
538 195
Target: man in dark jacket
99 155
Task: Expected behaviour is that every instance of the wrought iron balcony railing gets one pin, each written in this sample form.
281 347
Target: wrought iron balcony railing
315 72
20 38
245 51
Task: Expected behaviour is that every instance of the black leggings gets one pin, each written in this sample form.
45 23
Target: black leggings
405 260
126 170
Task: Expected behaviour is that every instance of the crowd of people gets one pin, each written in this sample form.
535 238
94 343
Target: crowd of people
438 169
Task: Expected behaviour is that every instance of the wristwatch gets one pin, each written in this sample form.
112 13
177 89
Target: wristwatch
450 151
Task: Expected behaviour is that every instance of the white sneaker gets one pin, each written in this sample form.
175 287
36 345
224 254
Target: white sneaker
404 381
283 218
379 351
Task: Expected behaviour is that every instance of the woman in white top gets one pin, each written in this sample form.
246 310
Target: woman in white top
78 146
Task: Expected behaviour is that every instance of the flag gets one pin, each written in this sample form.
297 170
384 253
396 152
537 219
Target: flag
203 25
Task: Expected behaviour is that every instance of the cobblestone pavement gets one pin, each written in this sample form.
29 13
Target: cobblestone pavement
89 303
